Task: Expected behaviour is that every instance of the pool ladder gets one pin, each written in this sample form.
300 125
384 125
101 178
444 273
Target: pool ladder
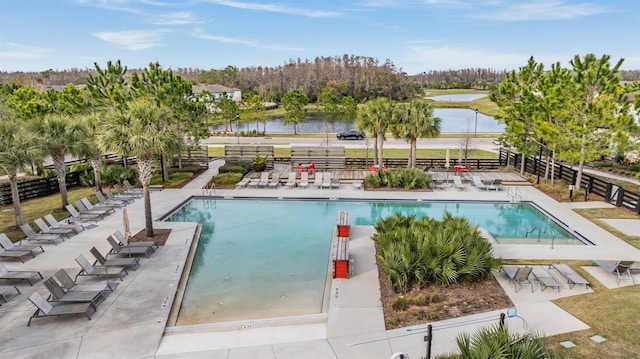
210 190
514 195
544 231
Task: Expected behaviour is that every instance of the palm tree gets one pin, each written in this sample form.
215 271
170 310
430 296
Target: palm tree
18 149
416 121
94 153
140 129
61 135
374 117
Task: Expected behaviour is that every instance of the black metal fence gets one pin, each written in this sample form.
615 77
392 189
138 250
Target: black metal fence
40 187
614 194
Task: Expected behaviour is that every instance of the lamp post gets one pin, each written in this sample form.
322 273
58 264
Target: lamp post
238 126
475 130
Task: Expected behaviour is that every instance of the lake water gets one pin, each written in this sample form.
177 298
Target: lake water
454 120
458 97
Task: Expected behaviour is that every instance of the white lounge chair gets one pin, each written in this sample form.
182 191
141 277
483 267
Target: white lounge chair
477 181
274 182
326 180
317 182
264 180
304 180
291 180
457 182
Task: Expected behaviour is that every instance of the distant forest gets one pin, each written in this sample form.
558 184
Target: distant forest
360 77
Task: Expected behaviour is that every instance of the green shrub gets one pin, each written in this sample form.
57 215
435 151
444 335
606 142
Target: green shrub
409 178
420 300
229 178
87 178
400 304
436 297
236 167
414 252
111 175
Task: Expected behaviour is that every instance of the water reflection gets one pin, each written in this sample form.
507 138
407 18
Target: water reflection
458 97
454 120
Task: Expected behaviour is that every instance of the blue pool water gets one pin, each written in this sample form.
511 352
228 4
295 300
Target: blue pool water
267 258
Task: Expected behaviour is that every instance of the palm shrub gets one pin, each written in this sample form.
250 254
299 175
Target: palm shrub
496 342
111 175
417 251
399 178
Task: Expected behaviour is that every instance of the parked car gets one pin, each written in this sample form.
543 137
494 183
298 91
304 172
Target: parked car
351 135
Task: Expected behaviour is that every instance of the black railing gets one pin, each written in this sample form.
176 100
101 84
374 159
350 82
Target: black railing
610 192
40 187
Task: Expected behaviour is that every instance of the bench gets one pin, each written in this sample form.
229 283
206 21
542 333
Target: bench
248 153
324 158
343 224
340 257
570 275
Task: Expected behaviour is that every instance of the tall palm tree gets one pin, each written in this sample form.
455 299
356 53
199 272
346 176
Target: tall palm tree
18 149
94 153
375 117
416 120
141 130
61 135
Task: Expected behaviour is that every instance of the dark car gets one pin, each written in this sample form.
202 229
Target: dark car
351 135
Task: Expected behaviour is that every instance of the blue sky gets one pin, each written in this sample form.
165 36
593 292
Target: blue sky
416 35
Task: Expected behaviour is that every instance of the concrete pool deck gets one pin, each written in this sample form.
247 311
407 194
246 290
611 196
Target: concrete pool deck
131 321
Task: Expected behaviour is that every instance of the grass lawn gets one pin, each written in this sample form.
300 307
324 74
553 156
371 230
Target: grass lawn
39 207
388 153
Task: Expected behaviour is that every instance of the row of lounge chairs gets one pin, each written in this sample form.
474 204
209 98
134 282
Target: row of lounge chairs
68 297
521 275
273 180
495 184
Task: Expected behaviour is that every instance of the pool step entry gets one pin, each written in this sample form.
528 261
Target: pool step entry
515 196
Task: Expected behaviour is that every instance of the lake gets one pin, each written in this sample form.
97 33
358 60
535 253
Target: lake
454 120
467 97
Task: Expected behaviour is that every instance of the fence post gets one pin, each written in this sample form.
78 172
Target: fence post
607 192
428 338
619 200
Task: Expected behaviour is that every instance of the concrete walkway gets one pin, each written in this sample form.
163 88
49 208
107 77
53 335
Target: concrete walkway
131 322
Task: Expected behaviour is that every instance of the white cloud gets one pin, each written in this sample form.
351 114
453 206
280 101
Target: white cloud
174 18
276 8
542 10
426 58
17 51
250 43
132 40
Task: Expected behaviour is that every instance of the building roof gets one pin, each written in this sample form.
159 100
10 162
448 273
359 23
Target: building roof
213 88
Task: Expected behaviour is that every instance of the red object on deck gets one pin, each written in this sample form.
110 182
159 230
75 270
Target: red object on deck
341 269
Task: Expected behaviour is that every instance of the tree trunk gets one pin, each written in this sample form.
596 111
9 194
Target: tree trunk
96 163
61 174
165 169
522 162
412 154
15 197
145 171
553 167
379 149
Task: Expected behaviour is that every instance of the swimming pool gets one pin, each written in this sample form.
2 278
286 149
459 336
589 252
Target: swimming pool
261 259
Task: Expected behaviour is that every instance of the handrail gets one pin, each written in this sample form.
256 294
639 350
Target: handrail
544 231
207 191
515 195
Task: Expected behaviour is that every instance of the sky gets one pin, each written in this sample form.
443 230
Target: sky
416 35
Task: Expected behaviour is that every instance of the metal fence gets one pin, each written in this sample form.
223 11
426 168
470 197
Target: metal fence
611 193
